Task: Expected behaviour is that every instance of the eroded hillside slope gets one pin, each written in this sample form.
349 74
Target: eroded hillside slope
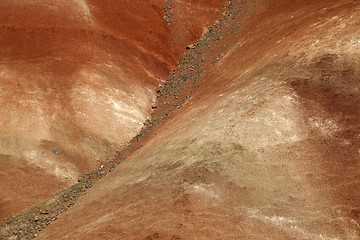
77 81
266 148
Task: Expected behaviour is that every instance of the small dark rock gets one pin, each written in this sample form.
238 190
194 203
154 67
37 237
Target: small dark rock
57 152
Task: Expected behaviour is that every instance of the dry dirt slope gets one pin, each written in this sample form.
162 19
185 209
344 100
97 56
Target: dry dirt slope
268 147
79 77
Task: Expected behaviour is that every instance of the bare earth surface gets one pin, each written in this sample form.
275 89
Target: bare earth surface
78 78
267 147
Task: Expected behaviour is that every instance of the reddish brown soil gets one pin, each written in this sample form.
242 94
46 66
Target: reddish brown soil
24 186
266 148
79 77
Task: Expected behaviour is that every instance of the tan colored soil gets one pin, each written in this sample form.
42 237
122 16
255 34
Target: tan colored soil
79 77
266 148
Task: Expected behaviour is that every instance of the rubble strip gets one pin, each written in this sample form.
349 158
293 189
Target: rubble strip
179 87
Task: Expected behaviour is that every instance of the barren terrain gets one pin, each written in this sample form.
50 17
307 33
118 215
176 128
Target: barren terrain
78 80
254 136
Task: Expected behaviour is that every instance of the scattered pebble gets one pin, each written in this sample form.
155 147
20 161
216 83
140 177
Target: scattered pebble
57 152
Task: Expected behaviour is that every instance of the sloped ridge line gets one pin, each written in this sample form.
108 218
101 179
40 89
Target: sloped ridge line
180 85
